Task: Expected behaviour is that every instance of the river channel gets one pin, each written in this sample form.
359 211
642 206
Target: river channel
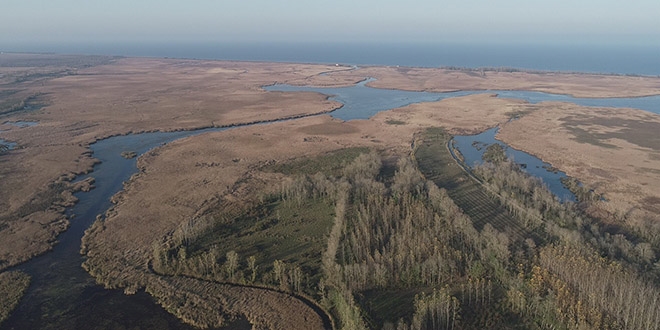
63 296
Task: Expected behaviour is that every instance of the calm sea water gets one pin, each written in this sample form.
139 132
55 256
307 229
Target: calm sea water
620 59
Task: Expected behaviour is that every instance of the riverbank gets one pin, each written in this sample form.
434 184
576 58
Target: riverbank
614 151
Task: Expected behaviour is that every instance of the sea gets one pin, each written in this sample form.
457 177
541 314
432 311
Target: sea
622 58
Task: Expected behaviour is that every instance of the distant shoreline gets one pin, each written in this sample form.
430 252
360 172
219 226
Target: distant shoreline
638 60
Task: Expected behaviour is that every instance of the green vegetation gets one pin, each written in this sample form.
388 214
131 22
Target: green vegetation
14 101
589 273
582 193
349 242
129 154
395 122
430 245
255 245
12 286
566 222
494 153
331 163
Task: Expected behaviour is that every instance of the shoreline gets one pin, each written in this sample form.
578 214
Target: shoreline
446 52
621 168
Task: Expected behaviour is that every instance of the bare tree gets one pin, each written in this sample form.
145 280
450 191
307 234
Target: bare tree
232 264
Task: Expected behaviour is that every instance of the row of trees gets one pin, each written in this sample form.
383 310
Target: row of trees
438 310
587 278
409 235
564 221
211 265
601 285
412 235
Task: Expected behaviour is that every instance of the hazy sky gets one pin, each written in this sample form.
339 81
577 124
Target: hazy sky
71 21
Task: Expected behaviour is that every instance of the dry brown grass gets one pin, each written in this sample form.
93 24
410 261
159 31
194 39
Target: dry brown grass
129 95
443 80
207 302
612 150
465 115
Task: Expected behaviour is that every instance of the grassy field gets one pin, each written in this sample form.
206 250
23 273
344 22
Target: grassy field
273 229
387 306
331 163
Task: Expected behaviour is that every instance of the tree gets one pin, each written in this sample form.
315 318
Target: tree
494 154
279 272
252 264
232 263
407 178
296 276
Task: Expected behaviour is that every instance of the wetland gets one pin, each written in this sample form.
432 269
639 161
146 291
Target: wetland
243 186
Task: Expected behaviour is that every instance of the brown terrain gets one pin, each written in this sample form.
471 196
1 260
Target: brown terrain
127 96
122 96
444 80
615 151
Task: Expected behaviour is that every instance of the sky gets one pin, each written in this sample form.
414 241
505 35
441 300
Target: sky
430 21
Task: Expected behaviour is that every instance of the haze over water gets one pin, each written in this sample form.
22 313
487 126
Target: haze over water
636 59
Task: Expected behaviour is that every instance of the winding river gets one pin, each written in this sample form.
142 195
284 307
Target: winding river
63 296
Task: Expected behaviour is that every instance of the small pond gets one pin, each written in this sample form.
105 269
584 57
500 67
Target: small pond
8 145
21 123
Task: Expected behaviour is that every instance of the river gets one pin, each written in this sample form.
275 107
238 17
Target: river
63 296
